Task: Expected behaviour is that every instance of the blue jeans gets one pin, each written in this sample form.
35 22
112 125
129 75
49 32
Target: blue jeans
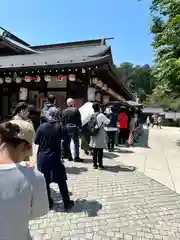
74 136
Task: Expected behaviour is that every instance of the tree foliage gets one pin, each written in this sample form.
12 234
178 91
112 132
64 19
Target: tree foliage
139 79
166 29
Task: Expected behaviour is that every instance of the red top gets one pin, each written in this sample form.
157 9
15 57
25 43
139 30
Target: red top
122 120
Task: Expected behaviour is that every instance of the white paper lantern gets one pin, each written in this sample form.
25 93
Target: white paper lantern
18 79
27 78
72 77
98 97
105 99
47 78
1 80
38 79
83 70
8 79
94 80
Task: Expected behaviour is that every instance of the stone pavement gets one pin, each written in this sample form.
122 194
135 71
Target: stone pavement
158 157
117 203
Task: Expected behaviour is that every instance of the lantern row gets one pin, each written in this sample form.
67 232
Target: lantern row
50 71
47 78
104 87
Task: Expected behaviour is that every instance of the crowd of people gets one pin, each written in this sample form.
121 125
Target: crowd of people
154 120
24 190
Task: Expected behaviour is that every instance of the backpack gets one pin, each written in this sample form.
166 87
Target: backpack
92 127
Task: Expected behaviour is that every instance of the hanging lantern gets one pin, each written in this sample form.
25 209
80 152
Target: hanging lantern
83 70
14 76
47 78
100 84
72 77
105 87
38 79
59 78
98 97
18 79
94 80
1 80
27 78
8 79
105 99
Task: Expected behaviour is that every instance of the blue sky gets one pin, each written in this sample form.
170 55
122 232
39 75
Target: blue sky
44 22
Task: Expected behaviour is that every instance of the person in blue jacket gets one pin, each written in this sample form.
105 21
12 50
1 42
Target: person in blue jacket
48 137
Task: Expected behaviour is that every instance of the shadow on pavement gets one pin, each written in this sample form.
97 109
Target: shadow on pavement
120 168
110 155
143 139
88 160
122 150
82 205
178 143
76 170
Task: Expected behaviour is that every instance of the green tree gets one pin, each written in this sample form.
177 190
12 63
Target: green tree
138 78
166 29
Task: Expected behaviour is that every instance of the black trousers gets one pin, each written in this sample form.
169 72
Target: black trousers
97 157
111 139
123 135
63 188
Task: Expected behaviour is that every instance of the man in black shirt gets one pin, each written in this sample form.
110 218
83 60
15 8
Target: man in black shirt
72 121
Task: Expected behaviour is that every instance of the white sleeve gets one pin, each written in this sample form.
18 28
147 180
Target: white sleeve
39 202
103 119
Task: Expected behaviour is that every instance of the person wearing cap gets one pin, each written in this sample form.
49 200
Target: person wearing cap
48 138
21 112
71 119
23 194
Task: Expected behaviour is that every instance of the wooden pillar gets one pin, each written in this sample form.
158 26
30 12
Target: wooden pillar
87 80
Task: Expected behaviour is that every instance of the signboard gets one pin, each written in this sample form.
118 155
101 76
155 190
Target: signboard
57 84
23 94
91 94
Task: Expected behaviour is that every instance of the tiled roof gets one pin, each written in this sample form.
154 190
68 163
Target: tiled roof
62 56
19 45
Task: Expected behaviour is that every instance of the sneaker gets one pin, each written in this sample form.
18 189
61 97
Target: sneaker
70 159
95 167
78 159
69 206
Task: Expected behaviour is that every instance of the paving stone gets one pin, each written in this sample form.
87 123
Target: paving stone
112 204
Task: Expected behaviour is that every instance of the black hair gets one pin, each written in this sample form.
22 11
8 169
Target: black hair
19 107
96 106
51 98
9 134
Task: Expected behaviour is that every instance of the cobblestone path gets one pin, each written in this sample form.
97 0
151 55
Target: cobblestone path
117 203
